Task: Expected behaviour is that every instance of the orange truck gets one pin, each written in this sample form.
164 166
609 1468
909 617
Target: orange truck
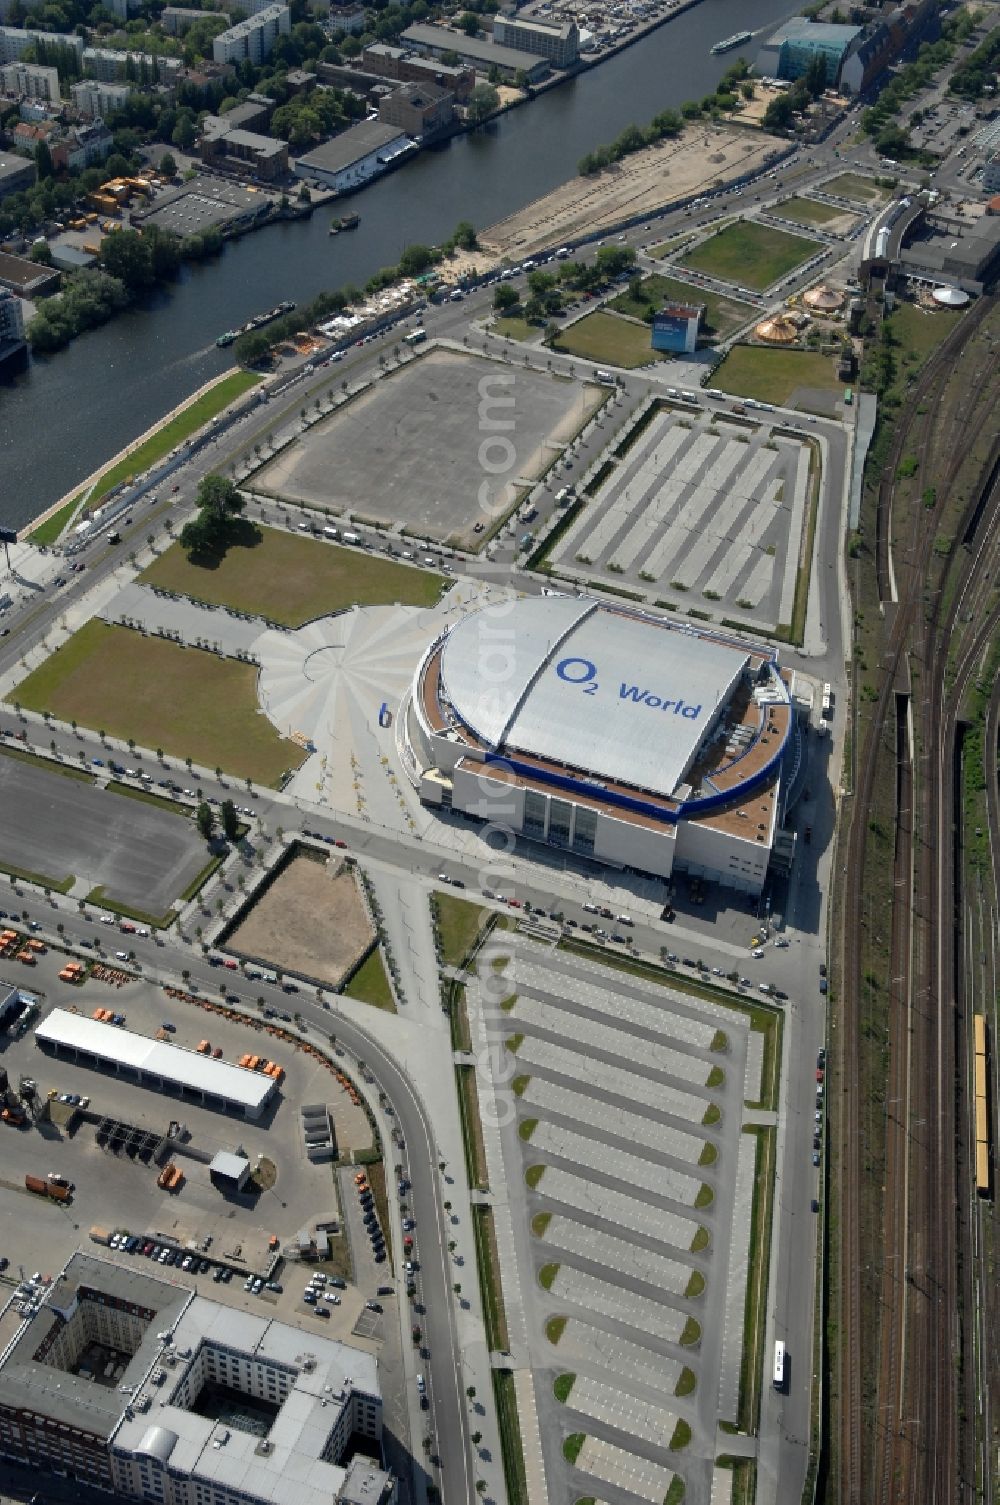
28 958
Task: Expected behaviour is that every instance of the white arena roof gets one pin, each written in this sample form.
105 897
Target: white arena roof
579 683
185 1068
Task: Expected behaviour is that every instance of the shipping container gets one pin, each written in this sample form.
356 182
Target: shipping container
100 1235
37 1184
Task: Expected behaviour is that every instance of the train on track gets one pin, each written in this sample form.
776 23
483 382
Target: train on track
983 1177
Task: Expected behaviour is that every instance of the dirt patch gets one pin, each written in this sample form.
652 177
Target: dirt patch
699 159
310 921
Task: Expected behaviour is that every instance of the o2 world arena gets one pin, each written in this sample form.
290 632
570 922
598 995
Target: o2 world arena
612 734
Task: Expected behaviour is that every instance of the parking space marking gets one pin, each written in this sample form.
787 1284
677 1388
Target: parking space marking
602 1076
632 1260
613 1465
610 1353
609 1118
617 1304
660 1180
608 1404
658 1018
754 1067
618 1208
615 1042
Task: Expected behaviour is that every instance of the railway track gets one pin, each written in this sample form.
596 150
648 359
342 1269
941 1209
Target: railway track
897 1462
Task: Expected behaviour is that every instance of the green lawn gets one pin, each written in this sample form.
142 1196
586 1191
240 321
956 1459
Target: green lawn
810 212
851 185
180 427
190 703
48 531
290 579
722 315
518 329
370 983
750 254
459 923
604 337
773 375
917 334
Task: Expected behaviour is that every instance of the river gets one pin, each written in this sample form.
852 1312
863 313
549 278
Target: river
74 409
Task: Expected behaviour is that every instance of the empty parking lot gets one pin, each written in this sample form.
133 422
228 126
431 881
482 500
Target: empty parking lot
699 507
62 827
433 445
637 1181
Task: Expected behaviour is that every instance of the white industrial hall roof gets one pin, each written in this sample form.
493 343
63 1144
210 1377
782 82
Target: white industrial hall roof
185 1068
573 681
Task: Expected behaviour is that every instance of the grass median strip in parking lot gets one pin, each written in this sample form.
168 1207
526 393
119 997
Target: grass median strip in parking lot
705 1197
676 1492
711 1115
687 1383
547 1275
533 1175
57 885
191 703
540 1223
554 1329
700 1240
709 1153
572 1445
695 1285
563 1385
681 1437
691 1334
291 579
519 1084
527 1127
759 1262
99 897
50 765
505 1397
472 1129
488 1262
458 1013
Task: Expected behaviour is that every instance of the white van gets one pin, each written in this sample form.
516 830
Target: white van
329 532
352 537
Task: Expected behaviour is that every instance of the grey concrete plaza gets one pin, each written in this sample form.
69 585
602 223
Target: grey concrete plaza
61 827
700 508
639 1215
433 445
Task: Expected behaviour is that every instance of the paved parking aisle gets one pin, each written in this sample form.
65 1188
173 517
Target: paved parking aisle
548 1056
599 1401
617 1304
618 1165
618 1208
611 1354
631 1260
754 1067
551 1098
613 1465
736 1286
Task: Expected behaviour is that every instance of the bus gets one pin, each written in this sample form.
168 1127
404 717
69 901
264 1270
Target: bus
416 338
848 396
779 1365
826 708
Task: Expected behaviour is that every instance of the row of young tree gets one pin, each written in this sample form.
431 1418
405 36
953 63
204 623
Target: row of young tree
251 349
733 85
546 289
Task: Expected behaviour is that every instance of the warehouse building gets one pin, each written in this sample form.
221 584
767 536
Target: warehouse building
356 156
480 53
610 733
560 44
293 1403
153 1063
